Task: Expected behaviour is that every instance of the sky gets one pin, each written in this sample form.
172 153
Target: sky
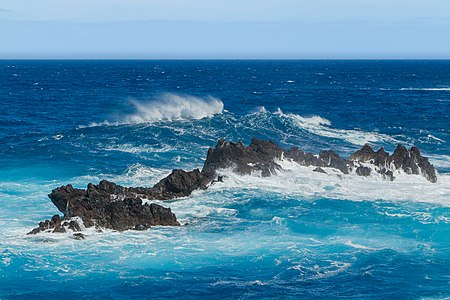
210 29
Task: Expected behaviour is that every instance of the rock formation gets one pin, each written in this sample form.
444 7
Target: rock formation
262 156
409 161
108 205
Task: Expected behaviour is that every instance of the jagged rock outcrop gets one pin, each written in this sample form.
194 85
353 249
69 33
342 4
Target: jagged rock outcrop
263 156
409 161
179 184
108 205
258 156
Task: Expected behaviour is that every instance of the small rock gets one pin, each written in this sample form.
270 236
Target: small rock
140 227
79 236
59 229
73 225
319 170
363 171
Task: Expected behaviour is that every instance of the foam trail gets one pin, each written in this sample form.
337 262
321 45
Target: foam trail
303 182
322 127
171 107
440 161
426 89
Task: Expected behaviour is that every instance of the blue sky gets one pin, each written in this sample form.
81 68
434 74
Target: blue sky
224 29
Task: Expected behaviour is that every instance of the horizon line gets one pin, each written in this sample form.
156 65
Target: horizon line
218 58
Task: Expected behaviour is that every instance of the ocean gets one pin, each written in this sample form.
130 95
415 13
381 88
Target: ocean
298 234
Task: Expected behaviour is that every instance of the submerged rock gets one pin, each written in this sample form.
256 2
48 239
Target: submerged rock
79 236
54 225
363 171
319 170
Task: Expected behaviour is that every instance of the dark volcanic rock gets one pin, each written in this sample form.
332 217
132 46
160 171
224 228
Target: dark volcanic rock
263 155
304 158
79 236
333 160
387 174
180 184
363 171
109 205
112 206
54 225
258 156
409 161
319 170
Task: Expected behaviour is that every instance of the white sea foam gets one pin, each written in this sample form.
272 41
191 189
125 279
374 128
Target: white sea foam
435 138
129 148
135 175
323 127
440 161
301 181
169 107
426 89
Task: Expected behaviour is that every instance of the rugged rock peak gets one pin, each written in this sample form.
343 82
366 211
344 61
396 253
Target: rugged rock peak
333 160
262 156
381 158
108 205
265 148
365 154
180 184
258 156
412 162
303 158
61 197
409 161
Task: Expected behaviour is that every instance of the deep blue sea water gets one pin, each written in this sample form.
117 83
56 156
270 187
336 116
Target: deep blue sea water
298 234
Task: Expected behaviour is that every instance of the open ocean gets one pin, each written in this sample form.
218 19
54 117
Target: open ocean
295 235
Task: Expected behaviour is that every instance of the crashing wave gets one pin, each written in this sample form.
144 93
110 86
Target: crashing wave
322 127
170 107
108 205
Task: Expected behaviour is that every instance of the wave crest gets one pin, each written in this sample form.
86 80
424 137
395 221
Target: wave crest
322 127
170 107
442 89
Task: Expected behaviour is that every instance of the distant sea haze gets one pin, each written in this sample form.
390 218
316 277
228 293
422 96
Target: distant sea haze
296 234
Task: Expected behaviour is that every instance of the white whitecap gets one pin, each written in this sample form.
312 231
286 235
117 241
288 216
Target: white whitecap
303 182
322 127
426 89
169 107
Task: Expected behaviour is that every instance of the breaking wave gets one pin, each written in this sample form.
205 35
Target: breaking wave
322 127
171 107
303 182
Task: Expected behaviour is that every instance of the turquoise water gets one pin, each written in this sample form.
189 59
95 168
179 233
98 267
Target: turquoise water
297 234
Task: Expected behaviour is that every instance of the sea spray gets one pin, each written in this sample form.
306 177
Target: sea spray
169 107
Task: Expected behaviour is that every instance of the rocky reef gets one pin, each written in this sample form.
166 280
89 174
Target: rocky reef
108 205
262 156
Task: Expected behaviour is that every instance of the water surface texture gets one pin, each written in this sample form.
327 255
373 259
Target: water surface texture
297 234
